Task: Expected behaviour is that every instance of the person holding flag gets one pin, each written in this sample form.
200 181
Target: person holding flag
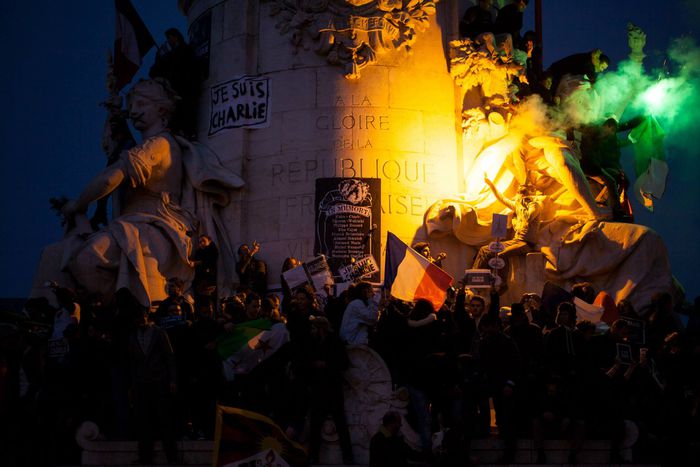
410 276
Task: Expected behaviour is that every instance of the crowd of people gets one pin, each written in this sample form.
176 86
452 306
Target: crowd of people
156 374
593 138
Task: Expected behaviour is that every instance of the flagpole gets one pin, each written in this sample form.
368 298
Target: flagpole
538 35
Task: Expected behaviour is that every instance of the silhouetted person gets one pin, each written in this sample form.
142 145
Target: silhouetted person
153 384
477 20
176 61
510 20
588 64
252 272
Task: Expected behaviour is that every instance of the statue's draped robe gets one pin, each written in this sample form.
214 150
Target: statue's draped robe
627 260
149 241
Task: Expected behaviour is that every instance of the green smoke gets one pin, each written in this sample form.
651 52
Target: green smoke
672 97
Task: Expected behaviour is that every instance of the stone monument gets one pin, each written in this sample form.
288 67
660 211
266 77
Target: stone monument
344 89
372 109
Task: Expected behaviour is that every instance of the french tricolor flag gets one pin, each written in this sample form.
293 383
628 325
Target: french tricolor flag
410 276
132 42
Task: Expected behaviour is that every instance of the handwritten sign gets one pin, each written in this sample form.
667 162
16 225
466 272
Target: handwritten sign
364 267
242 102
319 272
315 273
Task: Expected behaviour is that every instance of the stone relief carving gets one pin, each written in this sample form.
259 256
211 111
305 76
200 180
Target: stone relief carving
353 33
522 142
369 394
486 63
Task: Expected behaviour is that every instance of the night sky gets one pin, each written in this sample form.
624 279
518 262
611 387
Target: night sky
53 81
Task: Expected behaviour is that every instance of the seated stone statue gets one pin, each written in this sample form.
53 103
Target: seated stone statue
158 186
521 143
527 207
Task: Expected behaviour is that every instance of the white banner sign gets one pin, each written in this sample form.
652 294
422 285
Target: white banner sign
314 272
359 269
242 102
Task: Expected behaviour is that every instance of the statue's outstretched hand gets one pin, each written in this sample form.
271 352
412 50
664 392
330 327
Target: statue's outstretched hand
70 209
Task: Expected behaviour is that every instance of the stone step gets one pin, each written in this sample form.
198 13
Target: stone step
486 451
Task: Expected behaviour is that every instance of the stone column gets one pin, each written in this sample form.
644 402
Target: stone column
394 119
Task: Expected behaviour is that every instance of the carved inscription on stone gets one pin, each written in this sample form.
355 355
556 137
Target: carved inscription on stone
396 170
352 124
353 33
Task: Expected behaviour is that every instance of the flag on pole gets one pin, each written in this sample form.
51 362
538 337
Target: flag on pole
249 344
409 276
649 162
131 43
244 438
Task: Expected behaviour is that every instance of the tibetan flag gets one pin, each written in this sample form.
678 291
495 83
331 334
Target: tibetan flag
131 43
245 438
410 276
249 344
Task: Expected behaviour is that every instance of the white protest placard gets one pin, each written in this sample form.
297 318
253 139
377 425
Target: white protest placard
587 311
314 272
241 102
296 277
319 272
499 225
478 278
361 268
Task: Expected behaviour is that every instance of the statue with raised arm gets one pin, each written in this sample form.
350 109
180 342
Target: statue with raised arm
527 209
160 189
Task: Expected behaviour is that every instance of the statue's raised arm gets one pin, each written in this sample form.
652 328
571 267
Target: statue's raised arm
154 184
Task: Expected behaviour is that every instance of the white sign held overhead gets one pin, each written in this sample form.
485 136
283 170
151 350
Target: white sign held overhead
361 268
314 272
296 277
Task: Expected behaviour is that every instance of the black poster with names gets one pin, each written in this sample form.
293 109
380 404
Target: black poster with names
348 221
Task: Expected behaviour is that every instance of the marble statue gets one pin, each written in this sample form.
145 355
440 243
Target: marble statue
636 40
165 189
368 395
517 143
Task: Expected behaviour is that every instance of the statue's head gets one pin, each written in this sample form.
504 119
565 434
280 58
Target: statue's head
150 101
